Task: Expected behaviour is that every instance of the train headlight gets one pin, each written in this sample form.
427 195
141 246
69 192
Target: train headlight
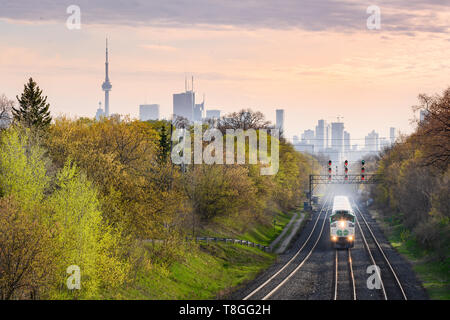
342 224
350 238
334 238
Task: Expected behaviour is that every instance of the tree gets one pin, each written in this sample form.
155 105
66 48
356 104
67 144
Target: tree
164 144
244 119
434 132
33 108
26 255
6 106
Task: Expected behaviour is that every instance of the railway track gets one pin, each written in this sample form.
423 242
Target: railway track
279 278
344 278
390 285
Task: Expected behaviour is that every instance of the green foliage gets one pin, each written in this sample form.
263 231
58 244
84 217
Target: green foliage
418 188
22 168
33 108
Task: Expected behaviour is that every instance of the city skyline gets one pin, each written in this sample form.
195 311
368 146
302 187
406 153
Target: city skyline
365 76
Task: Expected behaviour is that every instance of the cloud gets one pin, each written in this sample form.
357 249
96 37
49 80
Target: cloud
313 15
158 47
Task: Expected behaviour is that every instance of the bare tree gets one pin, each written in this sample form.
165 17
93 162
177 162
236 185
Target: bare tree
433 133
6 106
244 119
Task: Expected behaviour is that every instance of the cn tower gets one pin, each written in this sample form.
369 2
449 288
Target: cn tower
106 86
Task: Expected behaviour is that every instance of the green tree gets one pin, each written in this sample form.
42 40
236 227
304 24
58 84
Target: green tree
23 168
164 145
83 239
33 110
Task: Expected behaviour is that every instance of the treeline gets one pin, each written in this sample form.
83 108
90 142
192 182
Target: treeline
86 193
415 173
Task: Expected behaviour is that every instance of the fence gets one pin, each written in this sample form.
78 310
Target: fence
226 240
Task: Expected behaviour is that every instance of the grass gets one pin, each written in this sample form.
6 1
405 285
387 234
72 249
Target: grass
265 234
209 271
435 275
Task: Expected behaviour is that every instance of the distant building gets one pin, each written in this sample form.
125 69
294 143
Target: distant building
280 120
199 112
372 142
337 139
308 136
100 113
148 112
183 104
384 143
327 136
212 114
392 134
346 141
423 115
321 136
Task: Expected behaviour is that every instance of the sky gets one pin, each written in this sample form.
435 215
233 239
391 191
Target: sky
315 59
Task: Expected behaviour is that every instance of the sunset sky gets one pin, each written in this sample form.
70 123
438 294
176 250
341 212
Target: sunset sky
315 59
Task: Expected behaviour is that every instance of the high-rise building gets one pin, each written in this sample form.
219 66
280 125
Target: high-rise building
346 141
308 136
199 112
320 139
148 112
280 120
183 104
392 134
327 136
423 114
337 139
337 136
106 86
372 142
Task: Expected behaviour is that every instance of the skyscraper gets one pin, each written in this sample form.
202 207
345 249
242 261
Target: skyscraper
346 141
148 112
392 134
280 120
337 136
183 103
199 111
106 86
372 142
320 143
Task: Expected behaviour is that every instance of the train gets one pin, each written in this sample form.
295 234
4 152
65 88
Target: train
342 223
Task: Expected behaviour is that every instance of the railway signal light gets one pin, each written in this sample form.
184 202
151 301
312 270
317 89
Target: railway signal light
329 170
329 163
346 163
362 177
363 162
346 170
363 169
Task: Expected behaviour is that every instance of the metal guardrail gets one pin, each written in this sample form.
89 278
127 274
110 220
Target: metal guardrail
215 239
